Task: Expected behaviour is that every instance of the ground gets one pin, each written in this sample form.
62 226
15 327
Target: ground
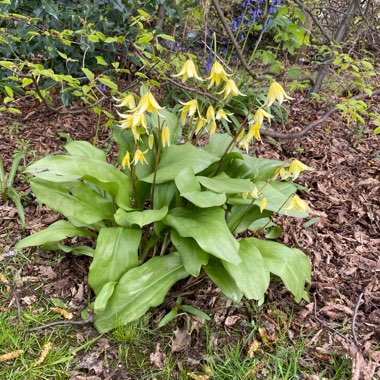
334 336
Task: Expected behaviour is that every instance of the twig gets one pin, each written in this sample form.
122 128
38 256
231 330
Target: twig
14 293
231 36
323 323
314 18
47 325
354 319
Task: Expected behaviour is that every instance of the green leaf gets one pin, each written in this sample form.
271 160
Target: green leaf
117 251
74 200
57 231
252 274
89 74
139 289
100 61
68 168
222 183
196 312
163 194
15 163
85 149
108 82
242 217
273 232
177 157
265 167
50 7
141 218
102 298
311 222
192 255
290 264
205 199
208 228
168 317
9 91
186 181
80 250
223 280
14 195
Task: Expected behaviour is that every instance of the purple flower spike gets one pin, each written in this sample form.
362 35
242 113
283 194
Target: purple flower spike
209 62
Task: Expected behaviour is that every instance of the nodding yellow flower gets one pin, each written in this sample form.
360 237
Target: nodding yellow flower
128 101
297 167
263 204
275 92
282 173
147 104
255 131
212 129
134 120
261 114
165 136
222 114
217 74
210 114
151 141
188 71
189 108
139 157
200 124
126 161
297 204
255 192
230 88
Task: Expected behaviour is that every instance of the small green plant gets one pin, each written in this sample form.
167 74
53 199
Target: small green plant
175 209
7 189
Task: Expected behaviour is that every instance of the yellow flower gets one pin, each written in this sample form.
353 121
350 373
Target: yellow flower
189 108
147 103
297 167
276 92
222 114
263 204
128 101
139 157
297 204
165 136
255 192
230 88
151 141
126 161
217 74
134 120
210 114
255 131
188 71
282 173
261 114
212 129
200 124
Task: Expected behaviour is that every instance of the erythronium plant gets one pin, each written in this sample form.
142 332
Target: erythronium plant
172 209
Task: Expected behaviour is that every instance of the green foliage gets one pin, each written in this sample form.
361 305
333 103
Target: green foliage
7 189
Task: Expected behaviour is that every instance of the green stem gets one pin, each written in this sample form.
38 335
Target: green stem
258 42
157 161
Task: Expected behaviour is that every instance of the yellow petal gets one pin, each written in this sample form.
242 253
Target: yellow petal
263 204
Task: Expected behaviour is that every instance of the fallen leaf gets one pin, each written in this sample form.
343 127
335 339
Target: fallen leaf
157 358
181 341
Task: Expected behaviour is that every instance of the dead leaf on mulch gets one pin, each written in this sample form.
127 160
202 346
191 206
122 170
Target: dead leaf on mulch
157 358
182 339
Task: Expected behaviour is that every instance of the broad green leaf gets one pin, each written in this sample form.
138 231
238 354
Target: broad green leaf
116 252
80 250
192 255
73 199
68 168
265 167
273 232
105 294
290 264
242 217
108 82
50 7
223 280
141 218
175 158
171 120
139 289
205 199
222 183
239 168
218 144
57 231
168 317
163 194
186 181
208 228
89 74
196 312
85 149
252 274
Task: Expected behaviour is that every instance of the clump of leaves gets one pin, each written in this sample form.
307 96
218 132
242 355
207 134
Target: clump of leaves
176 209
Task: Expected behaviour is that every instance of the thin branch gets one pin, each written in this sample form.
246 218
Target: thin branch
354 319
231 36
57 323
314 18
